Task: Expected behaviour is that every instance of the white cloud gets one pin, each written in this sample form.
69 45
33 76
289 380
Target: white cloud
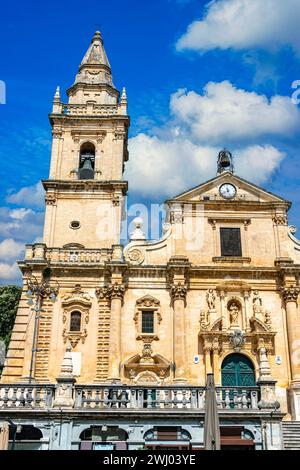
9 272
10 249
20 214
165 168
183 153
226 112
242 24
32 196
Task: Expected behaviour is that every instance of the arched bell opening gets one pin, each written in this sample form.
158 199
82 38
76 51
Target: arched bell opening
87 161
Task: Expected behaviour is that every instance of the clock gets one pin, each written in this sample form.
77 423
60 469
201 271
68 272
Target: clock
227 191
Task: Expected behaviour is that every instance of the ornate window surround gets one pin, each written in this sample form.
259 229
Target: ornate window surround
230 222
150 304
76 301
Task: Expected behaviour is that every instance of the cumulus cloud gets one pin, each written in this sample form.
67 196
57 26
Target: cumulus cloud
242 24
32 196
10 249
183 152
23 226
9 272
226 112
164 168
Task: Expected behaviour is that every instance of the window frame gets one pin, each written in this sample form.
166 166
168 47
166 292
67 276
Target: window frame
239 249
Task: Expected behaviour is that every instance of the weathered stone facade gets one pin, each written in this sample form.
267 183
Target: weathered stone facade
205 305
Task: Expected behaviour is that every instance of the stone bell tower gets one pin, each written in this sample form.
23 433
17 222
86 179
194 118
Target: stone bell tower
85 190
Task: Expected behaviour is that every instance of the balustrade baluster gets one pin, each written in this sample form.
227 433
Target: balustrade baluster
37 398
254 400
175 399
194 399
14 397
149 398
227 399
140 403
244 400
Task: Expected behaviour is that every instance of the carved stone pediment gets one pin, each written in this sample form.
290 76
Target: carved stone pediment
77 296
147 362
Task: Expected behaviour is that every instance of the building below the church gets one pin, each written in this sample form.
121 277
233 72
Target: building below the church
120 358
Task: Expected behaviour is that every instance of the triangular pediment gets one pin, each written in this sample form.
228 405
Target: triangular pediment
210 191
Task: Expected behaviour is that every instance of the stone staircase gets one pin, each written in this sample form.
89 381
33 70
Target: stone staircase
291 435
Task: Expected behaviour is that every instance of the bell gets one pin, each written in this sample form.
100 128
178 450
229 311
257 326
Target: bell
225 161
87 171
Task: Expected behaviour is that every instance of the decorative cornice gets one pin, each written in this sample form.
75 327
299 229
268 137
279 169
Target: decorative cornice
290 294
213 222
88 185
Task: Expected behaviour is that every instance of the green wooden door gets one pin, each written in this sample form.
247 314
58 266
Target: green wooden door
237 371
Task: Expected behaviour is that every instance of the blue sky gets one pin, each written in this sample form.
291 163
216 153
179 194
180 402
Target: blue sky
199 76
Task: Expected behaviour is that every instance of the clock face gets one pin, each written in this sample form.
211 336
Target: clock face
228 191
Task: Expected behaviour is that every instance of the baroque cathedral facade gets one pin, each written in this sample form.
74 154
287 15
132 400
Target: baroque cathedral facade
112 345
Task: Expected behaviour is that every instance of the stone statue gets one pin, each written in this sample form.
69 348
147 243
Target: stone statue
211 299
234 314
257 303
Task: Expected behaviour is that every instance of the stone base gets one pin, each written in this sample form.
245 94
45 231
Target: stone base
113 381
268 397
294 395
64 393
180 381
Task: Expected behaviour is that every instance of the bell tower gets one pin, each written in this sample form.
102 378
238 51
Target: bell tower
85 191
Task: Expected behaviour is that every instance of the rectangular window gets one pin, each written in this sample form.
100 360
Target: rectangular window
231 242
147 322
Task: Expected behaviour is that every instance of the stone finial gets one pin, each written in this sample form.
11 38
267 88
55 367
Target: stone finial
124 96
67 363
138 233
57 106
97 37
57 94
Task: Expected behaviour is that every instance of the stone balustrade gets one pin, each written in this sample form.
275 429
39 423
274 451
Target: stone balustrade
67 255
91 109
129 397
26 396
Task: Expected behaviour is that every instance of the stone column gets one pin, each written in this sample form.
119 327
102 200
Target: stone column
116 293
290 296
216 368
207 357
178 294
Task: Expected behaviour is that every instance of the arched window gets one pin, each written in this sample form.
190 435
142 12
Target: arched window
75 321
86 161
237 371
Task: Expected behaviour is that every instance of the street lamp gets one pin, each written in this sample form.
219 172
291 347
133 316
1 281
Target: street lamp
36 292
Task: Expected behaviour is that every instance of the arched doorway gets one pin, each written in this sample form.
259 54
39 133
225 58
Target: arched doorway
237 371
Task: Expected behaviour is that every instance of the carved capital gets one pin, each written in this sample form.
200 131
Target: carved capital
178 292
111 291
290 294
50 200
280 219
176 217
56 133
